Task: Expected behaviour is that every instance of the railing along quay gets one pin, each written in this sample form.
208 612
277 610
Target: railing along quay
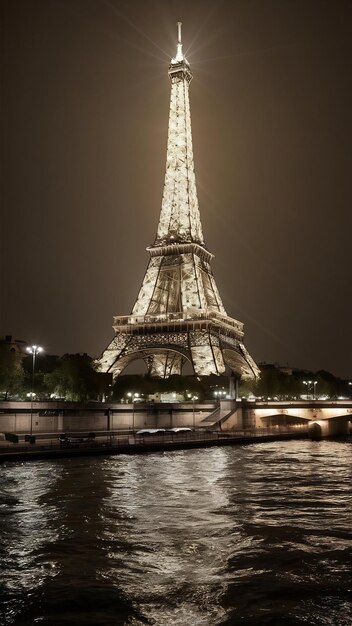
135 444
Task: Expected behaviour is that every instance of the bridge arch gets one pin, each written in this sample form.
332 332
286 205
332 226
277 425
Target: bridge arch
282 419
315 430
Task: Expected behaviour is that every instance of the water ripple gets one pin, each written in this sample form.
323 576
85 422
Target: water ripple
254 535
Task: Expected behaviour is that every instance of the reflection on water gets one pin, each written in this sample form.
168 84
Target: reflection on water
245 535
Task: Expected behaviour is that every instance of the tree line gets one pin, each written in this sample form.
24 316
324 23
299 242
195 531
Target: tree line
72 377
69 377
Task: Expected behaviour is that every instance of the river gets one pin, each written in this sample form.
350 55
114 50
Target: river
245 535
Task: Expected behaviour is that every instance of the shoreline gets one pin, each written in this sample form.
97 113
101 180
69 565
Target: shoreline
137 447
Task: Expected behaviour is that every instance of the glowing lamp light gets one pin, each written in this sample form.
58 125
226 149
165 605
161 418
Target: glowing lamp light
33 350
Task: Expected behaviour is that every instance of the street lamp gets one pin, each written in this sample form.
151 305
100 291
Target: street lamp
194 416
307 383
33 350
310 384
133 397
220 393
314 388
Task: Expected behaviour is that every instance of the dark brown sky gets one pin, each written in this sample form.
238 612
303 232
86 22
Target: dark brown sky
84 110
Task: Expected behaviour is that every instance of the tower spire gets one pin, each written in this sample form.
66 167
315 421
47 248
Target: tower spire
179 217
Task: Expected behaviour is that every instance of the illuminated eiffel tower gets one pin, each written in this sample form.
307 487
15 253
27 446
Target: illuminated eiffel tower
178 315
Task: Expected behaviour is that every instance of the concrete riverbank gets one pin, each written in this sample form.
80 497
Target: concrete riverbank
126 444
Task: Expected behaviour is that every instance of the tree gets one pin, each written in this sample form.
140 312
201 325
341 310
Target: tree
11 370
44 364
201 386
74 378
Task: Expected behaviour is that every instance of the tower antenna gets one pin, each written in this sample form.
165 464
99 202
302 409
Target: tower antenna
179 26
179 55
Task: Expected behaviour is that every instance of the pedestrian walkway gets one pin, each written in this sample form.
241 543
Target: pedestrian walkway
133 444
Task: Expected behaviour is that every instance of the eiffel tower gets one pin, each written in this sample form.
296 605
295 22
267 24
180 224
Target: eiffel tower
178 315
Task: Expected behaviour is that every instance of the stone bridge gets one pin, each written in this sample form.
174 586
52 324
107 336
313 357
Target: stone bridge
323 417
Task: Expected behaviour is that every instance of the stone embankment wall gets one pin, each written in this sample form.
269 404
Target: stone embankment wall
15 417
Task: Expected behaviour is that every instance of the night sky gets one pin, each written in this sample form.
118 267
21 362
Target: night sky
84 113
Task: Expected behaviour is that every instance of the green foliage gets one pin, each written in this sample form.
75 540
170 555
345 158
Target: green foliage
275 383
203 387
11 371
73 379
44 363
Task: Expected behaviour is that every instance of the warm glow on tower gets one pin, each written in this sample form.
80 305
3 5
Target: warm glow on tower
179 314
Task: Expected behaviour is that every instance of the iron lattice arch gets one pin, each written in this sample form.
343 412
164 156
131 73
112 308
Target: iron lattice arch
179 315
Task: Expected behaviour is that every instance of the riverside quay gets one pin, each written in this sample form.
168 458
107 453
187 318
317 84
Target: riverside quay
320 417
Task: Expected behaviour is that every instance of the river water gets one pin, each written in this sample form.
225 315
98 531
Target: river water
253 535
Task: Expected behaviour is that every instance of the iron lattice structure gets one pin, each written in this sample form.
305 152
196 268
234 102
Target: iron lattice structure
178 314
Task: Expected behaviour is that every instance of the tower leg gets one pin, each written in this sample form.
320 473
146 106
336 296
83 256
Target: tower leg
206 353
165 364
232 387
